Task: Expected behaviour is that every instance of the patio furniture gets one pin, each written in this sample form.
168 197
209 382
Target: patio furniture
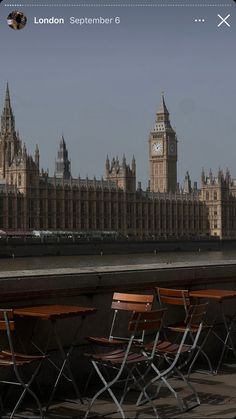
128 360
121 303
10 359
177 356
54 313
220 296
182 298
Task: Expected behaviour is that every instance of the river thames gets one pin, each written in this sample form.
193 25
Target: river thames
57 262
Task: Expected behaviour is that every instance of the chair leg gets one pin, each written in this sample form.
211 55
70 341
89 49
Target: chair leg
143 391
89 379
27 389
126 388
141 378
202 352
188 384
162 377
1 404
199 351
107 387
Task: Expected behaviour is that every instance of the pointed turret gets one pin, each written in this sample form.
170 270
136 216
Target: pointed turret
203 177
7 97
187 184
62 166
36 156
62 142
7 120
24 150
227 176
124 161
163 109
133 165
211 175
107 167
220 175
163 118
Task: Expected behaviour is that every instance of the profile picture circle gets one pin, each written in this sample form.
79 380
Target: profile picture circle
16 20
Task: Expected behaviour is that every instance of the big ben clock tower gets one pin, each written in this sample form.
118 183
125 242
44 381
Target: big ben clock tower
163 153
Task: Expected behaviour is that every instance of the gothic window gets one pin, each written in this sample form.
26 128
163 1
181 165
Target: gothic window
19 179
12 179
207 196
215 196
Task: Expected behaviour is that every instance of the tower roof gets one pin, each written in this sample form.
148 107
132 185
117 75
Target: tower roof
7 120
62 169
62 142
162 108
163 118
7 97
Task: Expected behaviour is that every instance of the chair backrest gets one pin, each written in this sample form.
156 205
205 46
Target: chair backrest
7 322
169 296
196 315
131 303
7 325
148 321
195 319
151 320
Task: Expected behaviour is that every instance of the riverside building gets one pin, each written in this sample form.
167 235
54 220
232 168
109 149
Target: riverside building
31 199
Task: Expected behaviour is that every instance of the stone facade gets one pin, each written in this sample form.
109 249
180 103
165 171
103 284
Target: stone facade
219 195
31 199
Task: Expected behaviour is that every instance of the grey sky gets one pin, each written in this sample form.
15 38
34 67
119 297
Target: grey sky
101 86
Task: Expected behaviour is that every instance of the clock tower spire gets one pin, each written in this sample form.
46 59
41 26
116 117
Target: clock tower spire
163 153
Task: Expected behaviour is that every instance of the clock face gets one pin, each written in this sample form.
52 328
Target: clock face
172 148
157 147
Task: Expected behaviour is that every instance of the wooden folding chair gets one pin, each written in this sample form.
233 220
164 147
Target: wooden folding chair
121 302
180 297
9 359
128 360
177 355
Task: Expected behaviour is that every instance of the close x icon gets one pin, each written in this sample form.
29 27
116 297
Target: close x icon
224 21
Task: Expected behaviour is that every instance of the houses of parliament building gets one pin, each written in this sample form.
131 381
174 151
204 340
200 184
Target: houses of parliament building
31 199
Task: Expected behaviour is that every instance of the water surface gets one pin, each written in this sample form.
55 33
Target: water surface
57 262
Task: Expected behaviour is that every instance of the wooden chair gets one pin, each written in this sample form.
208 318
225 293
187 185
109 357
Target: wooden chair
9 359
123 303
176 297
128 360
177 355
180 297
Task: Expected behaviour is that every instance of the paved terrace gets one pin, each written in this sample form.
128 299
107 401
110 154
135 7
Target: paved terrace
93 287
217 394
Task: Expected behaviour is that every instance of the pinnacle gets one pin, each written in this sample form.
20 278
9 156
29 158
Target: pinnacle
7 97
163 108
62 140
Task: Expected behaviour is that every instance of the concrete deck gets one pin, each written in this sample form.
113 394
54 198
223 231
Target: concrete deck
20 286
5 275
217 394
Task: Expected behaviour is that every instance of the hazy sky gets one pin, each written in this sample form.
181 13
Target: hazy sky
101 85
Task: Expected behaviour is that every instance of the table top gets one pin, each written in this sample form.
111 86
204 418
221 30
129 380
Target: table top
54 311
213 294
